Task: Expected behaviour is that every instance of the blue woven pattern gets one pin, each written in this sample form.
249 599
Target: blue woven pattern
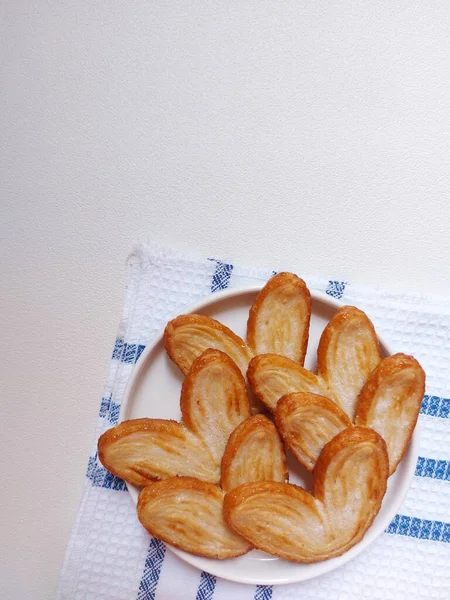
109 410
152 570
336 289
127 353
206 587
436 406
100 477
221 277
263 592
435 469
422 529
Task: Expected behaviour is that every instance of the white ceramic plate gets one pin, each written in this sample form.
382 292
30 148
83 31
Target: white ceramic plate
154 391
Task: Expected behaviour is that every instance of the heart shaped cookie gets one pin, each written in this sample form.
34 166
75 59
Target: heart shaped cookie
141 450
279 319
389 403
254 452
213 402
350 479
188 514
348 352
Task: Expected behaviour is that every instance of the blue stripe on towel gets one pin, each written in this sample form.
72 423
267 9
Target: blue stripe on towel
221 276
206 586
433 468
422 529
263 592
109 410
435 406
100 477
152 570
127 353
336 289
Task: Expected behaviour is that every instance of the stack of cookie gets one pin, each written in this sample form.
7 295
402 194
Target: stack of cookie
215 484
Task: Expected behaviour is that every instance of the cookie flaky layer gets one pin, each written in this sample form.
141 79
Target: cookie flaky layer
350 479
347 354
213 402
307 422
279 318
390 403
188 336
254 452
272 376
188 514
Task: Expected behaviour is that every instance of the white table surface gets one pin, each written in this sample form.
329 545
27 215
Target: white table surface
303 135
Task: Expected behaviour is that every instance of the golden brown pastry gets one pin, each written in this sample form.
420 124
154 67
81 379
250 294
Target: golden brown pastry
254 452
272 376
348 352
141 450
187 336
307 422
279 319
283 519
188 514
390 403
213 402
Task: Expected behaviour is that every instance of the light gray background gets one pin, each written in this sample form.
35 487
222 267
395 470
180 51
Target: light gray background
309 135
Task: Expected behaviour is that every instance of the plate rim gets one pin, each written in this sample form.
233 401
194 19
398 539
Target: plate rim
321 567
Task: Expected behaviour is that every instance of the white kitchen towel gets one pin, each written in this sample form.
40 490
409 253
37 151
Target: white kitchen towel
111 557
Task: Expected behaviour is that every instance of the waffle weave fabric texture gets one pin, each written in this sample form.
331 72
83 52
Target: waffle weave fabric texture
111 557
